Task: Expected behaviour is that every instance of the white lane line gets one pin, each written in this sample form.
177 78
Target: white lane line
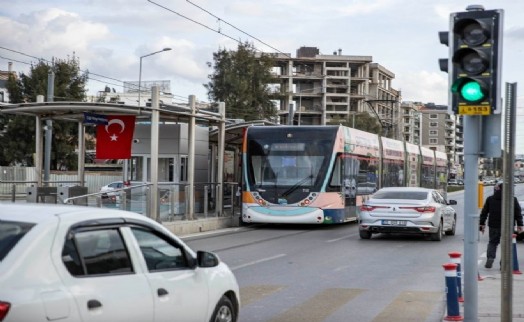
340 238
257 261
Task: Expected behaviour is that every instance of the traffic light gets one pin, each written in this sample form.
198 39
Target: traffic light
475 61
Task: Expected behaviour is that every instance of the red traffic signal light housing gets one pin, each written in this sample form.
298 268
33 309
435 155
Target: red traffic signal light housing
475 61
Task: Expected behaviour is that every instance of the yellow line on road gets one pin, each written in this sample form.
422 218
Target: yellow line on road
409 307
253 293
319 307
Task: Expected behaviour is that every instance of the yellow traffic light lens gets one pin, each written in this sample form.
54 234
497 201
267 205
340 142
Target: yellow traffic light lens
471 91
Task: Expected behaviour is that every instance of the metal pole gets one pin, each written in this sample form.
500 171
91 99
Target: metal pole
220 154
506 242
472 132
140 72
39 142
155 119
140 81
191 158
81 154
49 128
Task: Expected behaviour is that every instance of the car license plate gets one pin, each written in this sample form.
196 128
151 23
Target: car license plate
394 222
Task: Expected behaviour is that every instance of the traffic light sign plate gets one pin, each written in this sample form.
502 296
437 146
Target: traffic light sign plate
474 110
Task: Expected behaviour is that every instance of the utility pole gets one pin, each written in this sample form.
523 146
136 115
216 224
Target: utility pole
49 127
474 66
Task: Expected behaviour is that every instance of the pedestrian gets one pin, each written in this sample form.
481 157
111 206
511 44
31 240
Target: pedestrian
493 209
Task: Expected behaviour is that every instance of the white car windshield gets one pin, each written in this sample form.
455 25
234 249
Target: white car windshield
410 195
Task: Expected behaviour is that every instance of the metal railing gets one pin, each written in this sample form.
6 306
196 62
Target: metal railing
136 198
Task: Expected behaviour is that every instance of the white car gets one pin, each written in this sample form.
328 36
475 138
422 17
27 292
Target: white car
109 189
71 263
407 210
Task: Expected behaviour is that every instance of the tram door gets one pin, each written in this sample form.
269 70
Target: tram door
349 185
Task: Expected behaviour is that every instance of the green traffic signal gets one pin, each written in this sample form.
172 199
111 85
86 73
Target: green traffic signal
471 91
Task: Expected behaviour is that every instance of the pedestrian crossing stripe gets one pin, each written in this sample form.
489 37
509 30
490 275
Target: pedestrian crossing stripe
407 306
252 293
319 307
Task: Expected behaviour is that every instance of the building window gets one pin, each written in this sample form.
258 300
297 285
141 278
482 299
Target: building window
433 116
433 132
433 141
433 124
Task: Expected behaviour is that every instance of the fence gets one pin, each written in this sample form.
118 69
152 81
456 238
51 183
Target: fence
17 183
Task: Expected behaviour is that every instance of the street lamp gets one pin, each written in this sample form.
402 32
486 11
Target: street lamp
140 73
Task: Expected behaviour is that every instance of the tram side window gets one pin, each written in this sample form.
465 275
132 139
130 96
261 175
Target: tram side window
367 177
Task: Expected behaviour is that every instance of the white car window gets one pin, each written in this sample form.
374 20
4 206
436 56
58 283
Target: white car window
158 253
96 252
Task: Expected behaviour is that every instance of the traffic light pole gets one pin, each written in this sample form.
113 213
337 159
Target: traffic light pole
472 130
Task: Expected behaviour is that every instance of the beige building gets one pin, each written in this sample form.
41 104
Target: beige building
313 88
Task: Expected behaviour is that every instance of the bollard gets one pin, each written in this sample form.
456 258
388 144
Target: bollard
515 258
455 258
451 292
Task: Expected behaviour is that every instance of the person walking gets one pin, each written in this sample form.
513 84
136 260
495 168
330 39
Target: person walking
493 209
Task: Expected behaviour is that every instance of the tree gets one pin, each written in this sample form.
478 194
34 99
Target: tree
363 121
240 80
18 142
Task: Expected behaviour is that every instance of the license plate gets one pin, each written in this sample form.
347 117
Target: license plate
394 222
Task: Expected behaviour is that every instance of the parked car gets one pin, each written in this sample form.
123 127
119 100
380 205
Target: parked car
453 182
72 263
407 210
109 189
489 181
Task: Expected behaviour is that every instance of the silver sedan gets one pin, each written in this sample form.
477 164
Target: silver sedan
407 210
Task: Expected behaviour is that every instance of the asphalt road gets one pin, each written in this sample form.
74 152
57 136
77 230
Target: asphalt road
327 273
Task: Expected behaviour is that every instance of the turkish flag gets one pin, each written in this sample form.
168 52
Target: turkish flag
113 141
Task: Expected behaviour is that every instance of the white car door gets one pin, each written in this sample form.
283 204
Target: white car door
180 292
98 272
448 213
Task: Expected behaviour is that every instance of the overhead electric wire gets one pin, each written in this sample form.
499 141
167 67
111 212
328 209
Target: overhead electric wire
88 73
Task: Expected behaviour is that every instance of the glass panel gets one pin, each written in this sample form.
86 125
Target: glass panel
103 252
10 233
158 253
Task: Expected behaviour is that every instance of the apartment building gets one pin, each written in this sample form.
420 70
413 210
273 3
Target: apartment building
314 88
4 76
443 132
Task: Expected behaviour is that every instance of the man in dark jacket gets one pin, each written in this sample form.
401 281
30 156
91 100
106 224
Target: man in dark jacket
493 209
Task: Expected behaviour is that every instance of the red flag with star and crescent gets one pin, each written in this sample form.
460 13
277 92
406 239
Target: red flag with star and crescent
113 141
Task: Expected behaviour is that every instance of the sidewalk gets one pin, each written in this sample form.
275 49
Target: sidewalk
489 295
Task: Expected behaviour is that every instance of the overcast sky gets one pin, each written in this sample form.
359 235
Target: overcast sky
109 37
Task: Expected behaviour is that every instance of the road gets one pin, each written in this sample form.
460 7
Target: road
327 273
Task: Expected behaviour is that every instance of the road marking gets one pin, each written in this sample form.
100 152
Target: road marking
319 307
409 306
258 261
253 293
337 239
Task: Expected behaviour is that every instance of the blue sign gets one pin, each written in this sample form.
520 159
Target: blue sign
90 118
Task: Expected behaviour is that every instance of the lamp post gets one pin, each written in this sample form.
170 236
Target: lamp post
140 73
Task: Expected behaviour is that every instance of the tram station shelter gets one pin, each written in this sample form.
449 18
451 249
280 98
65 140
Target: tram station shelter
165 136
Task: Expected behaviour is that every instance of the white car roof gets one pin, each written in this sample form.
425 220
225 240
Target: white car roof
418 189
39 213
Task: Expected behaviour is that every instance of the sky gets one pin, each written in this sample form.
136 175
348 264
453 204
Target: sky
110 36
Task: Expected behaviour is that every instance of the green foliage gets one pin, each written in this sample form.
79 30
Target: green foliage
240 79
363 121
18 142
